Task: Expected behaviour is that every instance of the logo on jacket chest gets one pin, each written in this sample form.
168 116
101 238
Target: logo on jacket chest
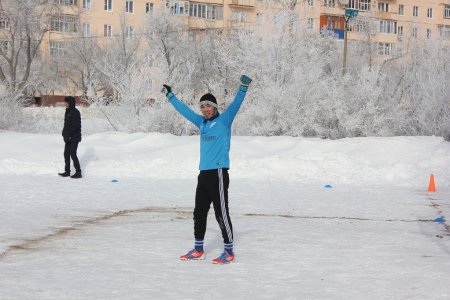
208 138
205 132
208 125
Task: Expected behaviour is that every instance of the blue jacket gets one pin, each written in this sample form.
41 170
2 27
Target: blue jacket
215 133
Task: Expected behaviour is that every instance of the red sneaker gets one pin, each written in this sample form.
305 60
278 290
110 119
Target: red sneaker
225 258
193 255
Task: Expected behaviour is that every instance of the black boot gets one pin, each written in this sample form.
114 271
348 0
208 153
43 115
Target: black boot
76 175
65 174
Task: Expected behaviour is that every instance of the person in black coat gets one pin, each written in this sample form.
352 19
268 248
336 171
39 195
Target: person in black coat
72 136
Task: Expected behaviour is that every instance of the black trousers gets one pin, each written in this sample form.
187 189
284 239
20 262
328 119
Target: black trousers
70 151
212 187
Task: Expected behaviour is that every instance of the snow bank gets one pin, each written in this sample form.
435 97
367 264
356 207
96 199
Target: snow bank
405 161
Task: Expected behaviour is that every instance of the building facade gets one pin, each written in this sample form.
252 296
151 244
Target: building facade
390 24
388 21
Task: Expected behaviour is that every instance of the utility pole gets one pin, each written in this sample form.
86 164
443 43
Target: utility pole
349 13
344 63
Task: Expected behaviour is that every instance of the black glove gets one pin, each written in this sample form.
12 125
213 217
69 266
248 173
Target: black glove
66 139
168 88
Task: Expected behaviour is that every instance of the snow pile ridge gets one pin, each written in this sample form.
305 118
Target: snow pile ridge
406 161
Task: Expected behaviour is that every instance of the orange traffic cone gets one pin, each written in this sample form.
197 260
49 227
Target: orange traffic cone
431 186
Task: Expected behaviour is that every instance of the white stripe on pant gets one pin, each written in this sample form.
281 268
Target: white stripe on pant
223 206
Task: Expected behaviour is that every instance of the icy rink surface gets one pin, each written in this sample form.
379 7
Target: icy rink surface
122 241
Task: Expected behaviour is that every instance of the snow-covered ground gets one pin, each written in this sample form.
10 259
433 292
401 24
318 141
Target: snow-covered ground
118 232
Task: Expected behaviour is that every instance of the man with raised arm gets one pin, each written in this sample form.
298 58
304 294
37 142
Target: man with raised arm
213 180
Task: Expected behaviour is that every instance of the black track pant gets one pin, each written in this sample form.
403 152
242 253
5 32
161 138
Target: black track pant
70 150
212 187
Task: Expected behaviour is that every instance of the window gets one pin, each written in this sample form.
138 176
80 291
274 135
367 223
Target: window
64 23
352 4
359 26
260 18
211 11
430 13
401 10
5 46
129 7
333 23
330 3
4 23
445 32
383 6
415 11
447 12
108 5
86 29
400 32
65 2
310 24
57 49
310 2
328 22
86 4
384 48
206 11
178 8
364 5
107 30
238 16
428 33
202 11
388 26
149 8
219 12
129 31
415 32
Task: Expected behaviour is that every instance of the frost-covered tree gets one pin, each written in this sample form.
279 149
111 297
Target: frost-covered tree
422 90
174 61
297 89
289 66
25 24
123 70
169 43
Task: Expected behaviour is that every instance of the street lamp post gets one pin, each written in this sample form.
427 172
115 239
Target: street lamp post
344 63
349 13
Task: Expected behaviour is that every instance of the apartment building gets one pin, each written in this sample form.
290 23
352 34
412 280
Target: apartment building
391 24
388 23
107 18
100 19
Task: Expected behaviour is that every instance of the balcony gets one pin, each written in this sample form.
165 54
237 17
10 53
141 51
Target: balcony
385 15
201 24
332 10
245 3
